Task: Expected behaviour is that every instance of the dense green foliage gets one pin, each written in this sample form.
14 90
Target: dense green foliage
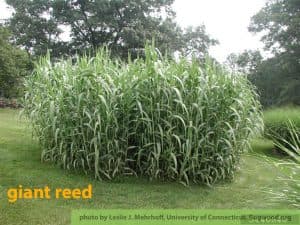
14 65
282 125
246 62
124 26
280 21
277 78
151 117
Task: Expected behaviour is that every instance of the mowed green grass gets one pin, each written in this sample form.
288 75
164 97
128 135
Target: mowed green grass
277 116
20 165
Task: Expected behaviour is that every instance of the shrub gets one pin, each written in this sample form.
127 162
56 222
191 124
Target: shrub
150 117
9 102
282 126
15 64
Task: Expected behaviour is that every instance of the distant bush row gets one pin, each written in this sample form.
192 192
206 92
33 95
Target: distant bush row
10 103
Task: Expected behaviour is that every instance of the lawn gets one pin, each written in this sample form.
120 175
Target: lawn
20 165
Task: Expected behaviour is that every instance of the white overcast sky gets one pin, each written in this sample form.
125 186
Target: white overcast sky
225 20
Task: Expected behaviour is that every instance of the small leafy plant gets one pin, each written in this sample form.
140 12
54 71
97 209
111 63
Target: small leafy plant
150 117
287 139
282 126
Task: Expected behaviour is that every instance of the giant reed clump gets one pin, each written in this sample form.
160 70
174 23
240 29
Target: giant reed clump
149 117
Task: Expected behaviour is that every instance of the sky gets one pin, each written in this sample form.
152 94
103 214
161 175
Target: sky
225 20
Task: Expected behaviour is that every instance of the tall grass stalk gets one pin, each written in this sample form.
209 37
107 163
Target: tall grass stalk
149 117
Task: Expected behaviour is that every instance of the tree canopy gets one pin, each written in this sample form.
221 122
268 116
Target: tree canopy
14 64
278 77
246 62
279 20
123 25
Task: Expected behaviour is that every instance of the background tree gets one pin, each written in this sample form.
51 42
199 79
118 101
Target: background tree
246 62
277 78
279 22
123 25
14 65
34 27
